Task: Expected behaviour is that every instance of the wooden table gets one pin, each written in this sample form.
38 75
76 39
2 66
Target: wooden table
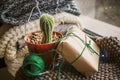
99 27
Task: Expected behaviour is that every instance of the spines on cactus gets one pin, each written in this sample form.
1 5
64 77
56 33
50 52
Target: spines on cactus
46 26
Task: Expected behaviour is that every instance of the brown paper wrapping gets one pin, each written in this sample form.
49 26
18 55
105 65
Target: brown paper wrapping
71 48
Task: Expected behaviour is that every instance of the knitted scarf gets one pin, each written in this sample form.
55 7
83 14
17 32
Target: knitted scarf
16 12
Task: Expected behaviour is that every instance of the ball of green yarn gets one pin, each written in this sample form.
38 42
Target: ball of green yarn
33 65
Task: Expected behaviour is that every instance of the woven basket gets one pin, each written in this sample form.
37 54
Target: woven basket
109 69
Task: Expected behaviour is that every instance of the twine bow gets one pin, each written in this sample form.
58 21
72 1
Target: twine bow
86 43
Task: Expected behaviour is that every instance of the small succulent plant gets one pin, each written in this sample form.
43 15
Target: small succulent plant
46 26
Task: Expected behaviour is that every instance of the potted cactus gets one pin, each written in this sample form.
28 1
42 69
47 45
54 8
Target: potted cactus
44 40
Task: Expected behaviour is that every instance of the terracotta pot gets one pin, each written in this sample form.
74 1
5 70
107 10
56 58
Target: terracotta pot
42 48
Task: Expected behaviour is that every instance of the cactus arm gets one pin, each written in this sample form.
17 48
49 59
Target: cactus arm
46 25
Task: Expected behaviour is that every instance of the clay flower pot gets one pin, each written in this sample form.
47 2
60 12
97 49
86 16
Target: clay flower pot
42 49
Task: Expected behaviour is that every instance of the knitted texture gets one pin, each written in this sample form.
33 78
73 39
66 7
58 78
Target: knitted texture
14 65
16 12
8 45
9 39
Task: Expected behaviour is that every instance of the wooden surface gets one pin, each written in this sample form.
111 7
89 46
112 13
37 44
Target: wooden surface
4 74
100 27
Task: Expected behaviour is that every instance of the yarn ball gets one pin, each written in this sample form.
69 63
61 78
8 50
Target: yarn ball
33 65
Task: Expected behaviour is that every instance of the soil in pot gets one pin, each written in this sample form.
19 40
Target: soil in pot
35 45
36 38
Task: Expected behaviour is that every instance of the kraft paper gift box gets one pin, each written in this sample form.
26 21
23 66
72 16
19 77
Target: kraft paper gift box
74 51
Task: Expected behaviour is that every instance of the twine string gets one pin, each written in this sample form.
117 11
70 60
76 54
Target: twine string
39 11
57 3
37 6
87 45
31 13
59 69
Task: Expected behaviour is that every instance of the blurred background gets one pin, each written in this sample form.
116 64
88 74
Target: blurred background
104 10
108 11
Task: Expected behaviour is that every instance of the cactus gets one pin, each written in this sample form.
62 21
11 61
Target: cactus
46 26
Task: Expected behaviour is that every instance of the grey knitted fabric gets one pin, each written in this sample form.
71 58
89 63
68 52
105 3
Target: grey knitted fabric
17 12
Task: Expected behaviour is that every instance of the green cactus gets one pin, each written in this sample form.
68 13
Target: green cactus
46 26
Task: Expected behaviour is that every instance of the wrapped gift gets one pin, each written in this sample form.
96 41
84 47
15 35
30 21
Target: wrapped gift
80 51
